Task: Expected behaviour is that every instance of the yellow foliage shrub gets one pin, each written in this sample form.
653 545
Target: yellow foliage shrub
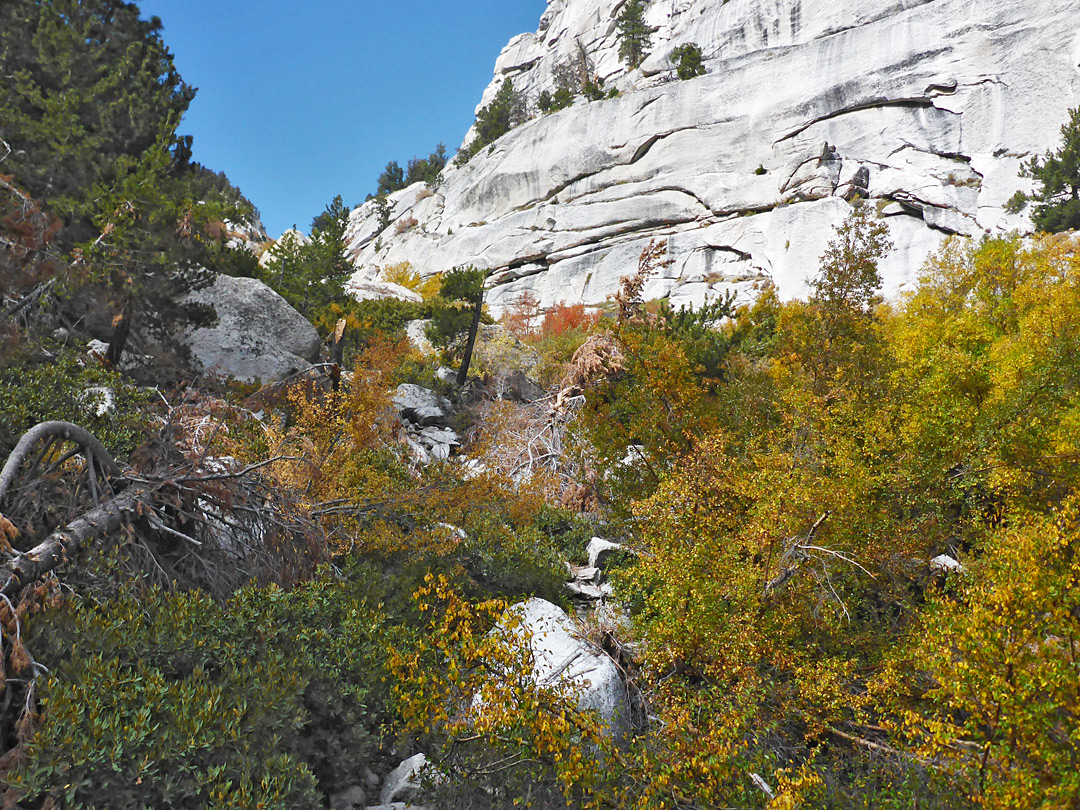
404 274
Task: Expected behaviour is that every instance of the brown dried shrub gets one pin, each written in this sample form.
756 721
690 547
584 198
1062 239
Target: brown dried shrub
599 358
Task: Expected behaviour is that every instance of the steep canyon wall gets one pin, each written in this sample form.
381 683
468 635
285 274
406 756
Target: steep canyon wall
926 108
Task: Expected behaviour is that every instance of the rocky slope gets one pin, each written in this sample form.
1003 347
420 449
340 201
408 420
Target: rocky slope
926 107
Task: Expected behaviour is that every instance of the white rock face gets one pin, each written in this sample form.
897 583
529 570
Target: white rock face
926 107
249 235
258 336
364 290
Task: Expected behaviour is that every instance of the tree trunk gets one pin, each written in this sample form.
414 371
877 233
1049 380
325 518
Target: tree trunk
337 354
119 336
474 327
64 544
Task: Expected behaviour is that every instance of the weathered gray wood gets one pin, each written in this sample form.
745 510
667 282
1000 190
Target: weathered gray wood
58 430
64 543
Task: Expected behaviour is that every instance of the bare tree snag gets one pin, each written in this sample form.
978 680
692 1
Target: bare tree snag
64 543
92 449
793 557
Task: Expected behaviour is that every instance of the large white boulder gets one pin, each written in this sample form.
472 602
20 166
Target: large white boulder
561 656
933 104
406 780
258 336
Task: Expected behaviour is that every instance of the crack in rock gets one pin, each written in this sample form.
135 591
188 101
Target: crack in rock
911 101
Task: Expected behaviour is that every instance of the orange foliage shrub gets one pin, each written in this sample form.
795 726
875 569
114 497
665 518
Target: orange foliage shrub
563 317
519 319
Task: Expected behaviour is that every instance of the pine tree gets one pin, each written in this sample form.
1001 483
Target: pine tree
427 169
501 115
310 275
87 84
91 104
392 178
635 36
506 111
1058 175
457 312
688 59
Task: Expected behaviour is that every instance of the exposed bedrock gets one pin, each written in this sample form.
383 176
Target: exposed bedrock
924 108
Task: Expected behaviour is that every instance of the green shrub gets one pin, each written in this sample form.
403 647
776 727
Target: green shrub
569 532
154 702
173 700
1016 203
59 388
688 59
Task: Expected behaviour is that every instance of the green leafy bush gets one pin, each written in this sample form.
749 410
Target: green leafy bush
567 531
174 700
158 702
688 59
70 389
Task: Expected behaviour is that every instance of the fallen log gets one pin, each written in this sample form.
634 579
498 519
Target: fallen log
64 543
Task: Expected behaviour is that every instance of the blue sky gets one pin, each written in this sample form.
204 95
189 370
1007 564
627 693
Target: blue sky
298 102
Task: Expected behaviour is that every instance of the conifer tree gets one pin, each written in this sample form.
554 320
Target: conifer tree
392 178
688 61
634 35
458 312
506 111
91 106
310 275
426 169
1057 201
88 87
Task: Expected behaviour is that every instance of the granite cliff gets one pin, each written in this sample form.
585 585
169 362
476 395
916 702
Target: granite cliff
925 107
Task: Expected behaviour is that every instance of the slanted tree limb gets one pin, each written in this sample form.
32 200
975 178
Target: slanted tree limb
64 543
92 449
793 557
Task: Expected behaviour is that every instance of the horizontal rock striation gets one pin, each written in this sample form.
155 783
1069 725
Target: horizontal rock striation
926 108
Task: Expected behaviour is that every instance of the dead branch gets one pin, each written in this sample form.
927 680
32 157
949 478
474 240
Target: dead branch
30 298
64 543
91 449
793 557
238 473
880 748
